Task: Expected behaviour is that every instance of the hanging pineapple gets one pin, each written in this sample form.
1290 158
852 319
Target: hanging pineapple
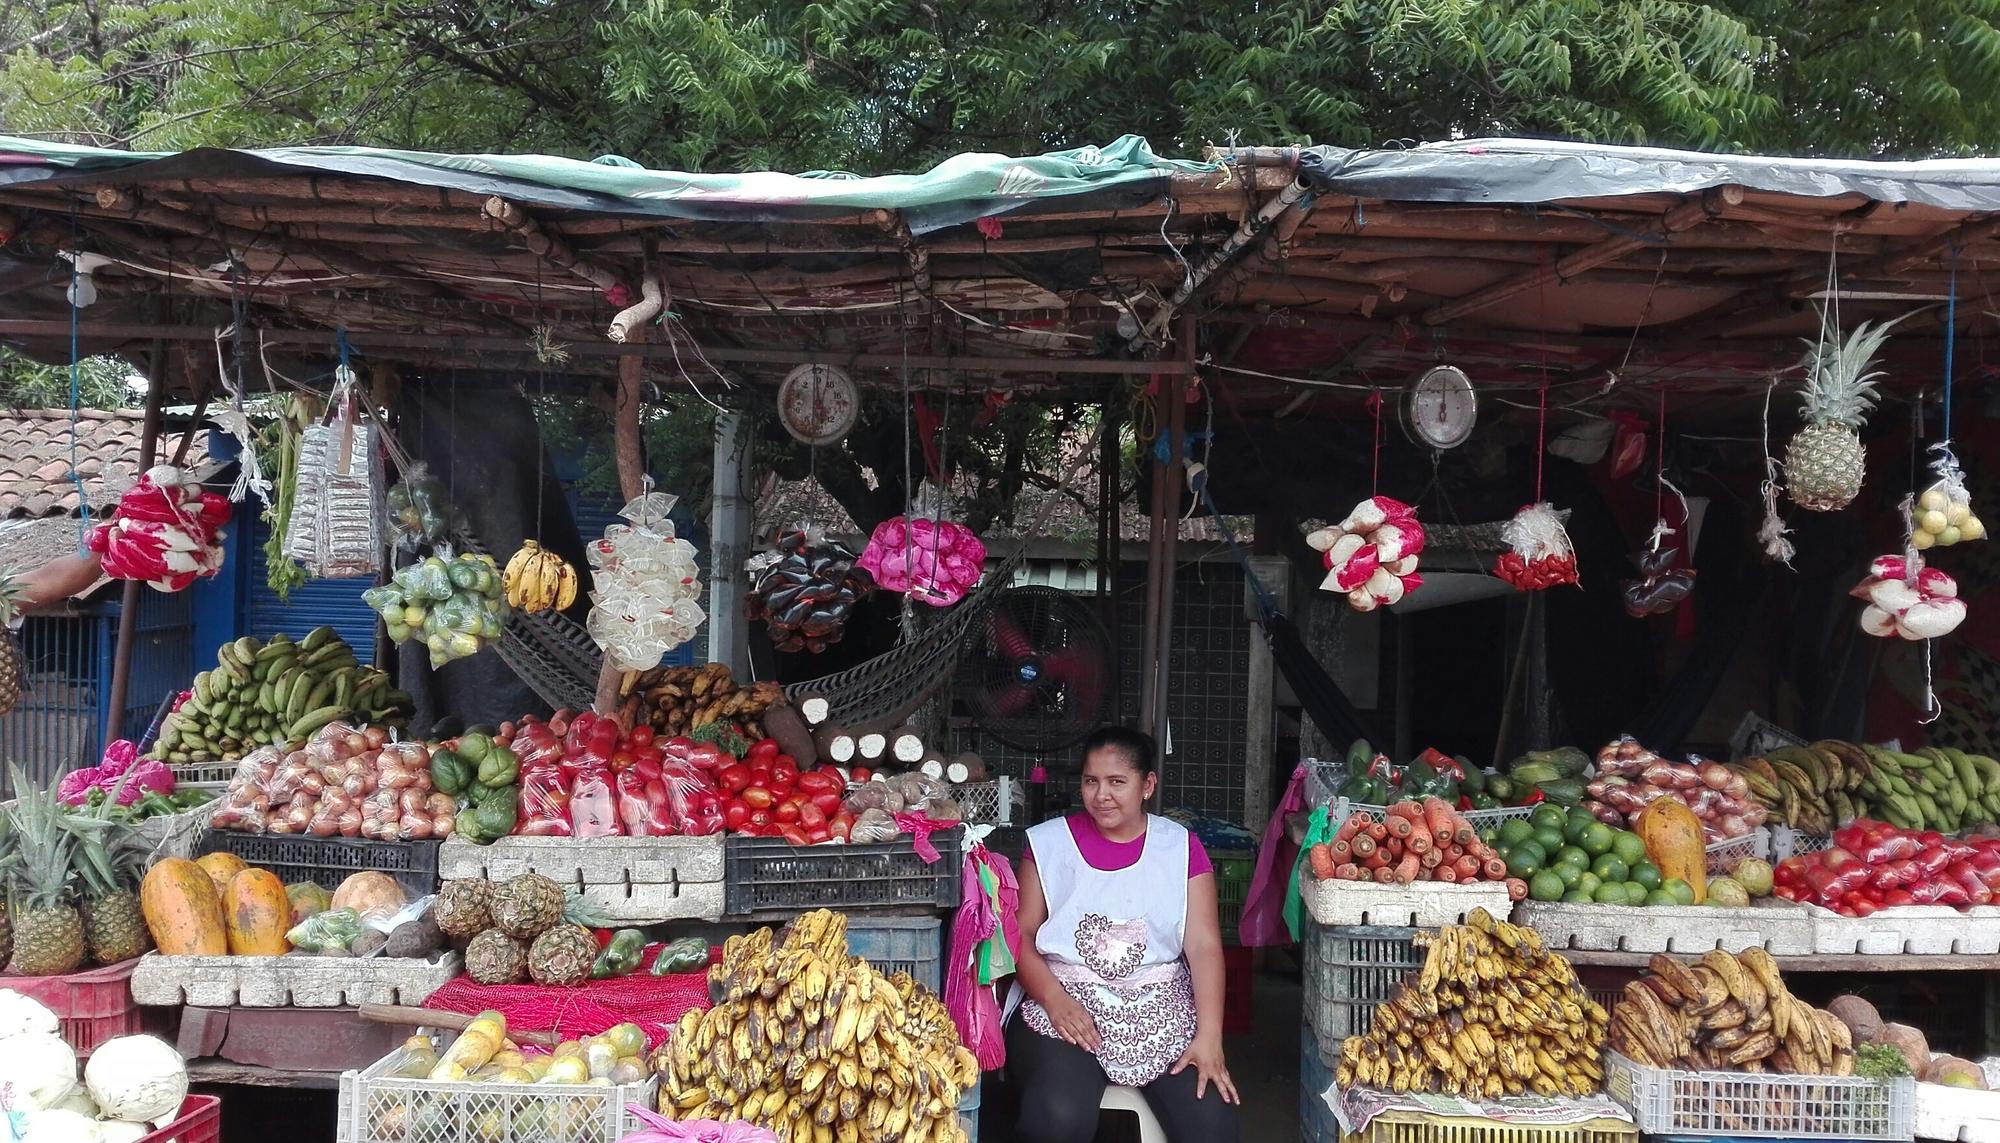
12 666
1825 461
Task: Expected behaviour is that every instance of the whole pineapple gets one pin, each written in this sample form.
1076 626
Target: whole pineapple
562 956
493 957
111 859
1825 461
13 665
464 908
527 906
48 933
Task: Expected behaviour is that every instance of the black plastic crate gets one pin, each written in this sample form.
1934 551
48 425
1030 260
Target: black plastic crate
770 875
327 861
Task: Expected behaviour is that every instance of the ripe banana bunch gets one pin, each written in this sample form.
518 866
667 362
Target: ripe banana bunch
1491 1013
537 580
1727 1012
817 1046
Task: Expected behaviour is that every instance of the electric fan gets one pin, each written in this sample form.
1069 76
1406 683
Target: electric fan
1039 674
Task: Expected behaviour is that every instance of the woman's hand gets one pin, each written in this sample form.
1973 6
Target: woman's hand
1072 1022
1205 1056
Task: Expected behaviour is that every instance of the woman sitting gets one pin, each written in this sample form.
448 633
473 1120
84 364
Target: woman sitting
1121 962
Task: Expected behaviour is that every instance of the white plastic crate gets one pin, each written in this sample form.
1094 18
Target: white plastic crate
1340 809
1325 778
1723 855
1742 1105
1348 972
1422 904
987 803
1788 842
377 1107
1780 927
633 880
299 980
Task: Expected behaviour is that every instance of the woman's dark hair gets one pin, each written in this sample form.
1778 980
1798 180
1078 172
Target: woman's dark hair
1136 747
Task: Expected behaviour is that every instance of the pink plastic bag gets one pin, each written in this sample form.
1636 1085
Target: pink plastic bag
1263 921
593 809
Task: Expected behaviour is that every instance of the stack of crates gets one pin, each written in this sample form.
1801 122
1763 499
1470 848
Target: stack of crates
1348 971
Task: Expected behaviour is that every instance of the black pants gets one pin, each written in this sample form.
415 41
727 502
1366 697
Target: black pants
1060 1086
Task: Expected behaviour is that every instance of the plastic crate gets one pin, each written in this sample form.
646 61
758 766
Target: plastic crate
1316 1122
1788 842
175 835
912 944
328 861
770 875
1739 1104
1233 871
1723 855
1348 972
1482 820
968 1112
1424 1127
200 1121
91 1007
378 1107
987 803
1325 778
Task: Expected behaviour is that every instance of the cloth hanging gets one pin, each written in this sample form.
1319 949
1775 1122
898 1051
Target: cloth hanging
1263 920
982 949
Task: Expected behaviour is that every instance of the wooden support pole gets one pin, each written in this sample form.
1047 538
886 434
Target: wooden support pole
128 608
1170 414
1688 214
630 454
552 248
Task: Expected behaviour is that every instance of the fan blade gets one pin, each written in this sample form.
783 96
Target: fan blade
1007 700
1009 640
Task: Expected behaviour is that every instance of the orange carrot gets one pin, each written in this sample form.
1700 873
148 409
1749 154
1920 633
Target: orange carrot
1467 866
1359 819
1495 869
1431 858
1464 832
1517 889
1419 842
1437 815
1322 863
1452 853
1408 810
1399 826
1347 871
1362 845
1377 831
1443 873
1376 860
1406 870
1441 838
1384 875
1339 848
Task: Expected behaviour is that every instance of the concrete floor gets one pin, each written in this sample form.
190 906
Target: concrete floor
1264 1062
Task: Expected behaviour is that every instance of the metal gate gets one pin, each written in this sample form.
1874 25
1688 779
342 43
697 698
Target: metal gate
55 727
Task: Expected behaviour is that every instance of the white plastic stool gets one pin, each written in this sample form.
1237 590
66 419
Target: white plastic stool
1120 1098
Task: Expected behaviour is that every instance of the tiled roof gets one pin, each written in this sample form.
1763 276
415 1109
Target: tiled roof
35 450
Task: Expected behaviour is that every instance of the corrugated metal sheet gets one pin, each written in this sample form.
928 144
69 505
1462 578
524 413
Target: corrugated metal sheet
334 603
162 655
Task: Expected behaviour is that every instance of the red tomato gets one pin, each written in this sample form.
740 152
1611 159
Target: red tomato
786 760
795 835
812 817
818 781
760 819
639 737
764 748
860 774
786 812
736 815
842 826
622 760
733 778
705 756
784 777
758 765
758 798
819 834
827 804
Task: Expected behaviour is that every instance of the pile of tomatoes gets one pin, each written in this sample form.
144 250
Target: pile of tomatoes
765 794
1874 865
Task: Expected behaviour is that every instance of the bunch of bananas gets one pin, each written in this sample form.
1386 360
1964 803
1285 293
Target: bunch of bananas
538 579
817 1046
1491 1013
1727 1012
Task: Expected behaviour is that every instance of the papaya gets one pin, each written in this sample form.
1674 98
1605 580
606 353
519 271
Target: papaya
256 914
182 909
221 868
1675 842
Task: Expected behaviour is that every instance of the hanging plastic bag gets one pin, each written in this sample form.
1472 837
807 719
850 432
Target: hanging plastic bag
1538 552
646 586
335 530
931 559
1318 829
805 589
420 513
1263 921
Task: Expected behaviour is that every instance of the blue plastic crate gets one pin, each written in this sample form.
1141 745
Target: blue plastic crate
968 1113
912 944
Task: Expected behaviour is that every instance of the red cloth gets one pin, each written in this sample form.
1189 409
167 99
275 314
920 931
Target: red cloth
654 1003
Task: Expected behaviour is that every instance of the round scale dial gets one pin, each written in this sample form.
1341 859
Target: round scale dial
818 403
1442 407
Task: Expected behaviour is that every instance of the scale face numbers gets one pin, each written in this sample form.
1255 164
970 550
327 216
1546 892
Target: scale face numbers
1442 407
818 404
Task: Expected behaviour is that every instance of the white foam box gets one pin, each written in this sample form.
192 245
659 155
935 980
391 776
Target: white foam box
1784 929
1957 1114
1932 930
633 880
299 980
1421 904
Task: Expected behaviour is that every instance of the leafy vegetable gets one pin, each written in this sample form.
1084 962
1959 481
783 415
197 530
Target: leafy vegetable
1880 1061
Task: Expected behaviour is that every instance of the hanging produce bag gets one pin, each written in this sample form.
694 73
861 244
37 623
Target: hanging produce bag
165 532
1372 554
647 586
1908 600
931 559
805 590
453 601
1538 552
421 515
335 531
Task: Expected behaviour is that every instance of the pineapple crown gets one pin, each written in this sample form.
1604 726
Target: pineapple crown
13 594
1840 388
110 855
44 849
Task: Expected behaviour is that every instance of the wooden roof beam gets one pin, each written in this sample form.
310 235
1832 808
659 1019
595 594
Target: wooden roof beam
555 250
1683 217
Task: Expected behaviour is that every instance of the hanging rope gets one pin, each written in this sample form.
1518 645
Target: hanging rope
1375 406
1950 338
76 395
1660 462
1541 436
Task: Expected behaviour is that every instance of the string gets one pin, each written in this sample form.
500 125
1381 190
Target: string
1950 337
1375 403
1660 462
1541 437
76 393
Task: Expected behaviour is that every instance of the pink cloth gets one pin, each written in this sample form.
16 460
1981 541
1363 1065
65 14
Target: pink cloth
1107 856
1263 920
973 1006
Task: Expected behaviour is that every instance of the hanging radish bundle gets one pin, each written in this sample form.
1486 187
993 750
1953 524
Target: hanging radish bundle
335 530
1372 554
933 561
166 531
1538 550
647 587
1908 600
805 590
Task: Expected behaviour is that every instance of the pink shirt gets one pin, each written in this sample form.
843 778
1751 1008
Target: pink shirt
1107 856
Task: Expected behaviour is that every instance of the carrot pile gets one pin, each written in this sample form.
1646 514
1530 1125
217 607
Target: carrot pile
1417 841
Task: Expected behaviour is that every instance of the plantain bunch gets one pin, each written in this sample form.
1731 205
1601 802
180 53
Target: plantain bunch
682 700
816 1046
1491 1013
1727 1012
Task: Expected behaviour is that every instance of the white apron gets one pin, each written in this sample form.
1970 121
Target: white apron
1113 941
